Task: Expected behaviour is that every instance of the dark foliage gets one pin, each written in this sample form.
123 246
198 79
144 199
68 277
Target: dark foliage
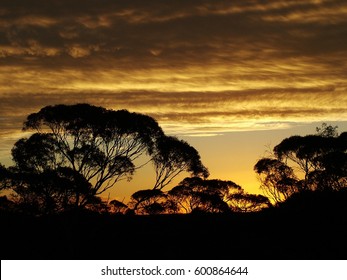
305 163
310 225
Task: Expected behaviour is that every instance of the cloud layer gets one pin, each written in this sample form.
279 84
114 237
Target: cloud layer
197 66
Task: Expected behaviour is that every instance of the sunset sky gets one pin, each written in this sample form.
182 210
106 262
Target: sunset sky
232 78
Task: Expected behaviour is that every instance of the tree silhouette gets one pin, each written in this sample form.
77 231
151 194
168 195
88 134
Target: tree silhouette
37 154
50 191
331 167
322 159
196 194
4 178
118 207
327 130
245 202
319 160
278 180
148 201
99 144
173 156
304 152
96 148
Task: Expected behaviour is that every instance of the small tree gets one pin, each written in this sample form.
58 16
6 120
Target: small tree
244 202
327 130
277 179
118 207
148 202
204 195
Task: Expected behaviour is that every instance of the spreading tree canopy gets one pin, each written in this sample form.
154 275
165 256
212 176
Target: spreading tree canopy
92 146
305 163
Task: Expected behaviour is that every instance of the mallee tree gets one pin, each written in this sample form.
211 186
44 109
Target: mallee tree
95 145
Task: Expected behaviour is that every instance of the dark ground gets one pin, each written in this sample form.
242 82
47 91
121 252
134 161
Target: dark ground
273 234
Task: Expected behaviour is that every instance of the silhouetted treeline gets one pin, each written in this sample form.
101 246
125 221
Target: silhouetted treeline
307 226
77 152
52 208
302 163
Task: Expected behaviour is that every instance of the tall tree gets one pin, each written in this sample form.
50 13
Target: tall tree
99 144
